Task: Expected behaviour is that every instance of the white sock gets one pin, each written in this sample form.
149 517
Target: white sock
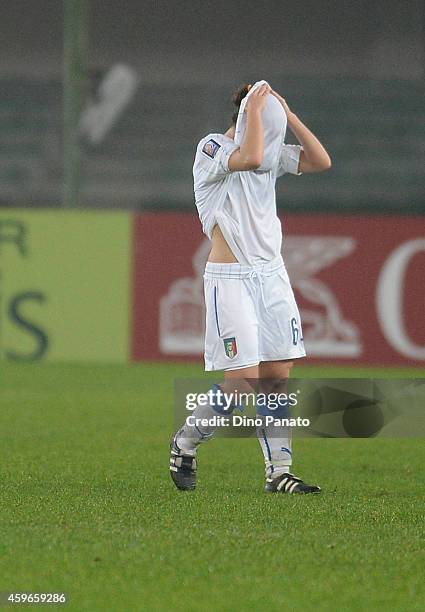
276 444
190 435
275 439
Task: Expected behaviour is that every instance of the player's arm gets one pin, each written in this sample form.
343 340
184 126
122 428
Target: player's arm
314 157
250 154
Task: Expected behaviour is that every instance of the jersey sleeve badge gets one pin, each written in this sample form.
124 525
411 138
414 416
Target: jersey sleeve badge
210 148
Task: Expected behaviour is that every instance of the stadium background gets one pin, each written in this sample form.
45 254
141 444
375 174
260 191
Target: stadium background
101 257
356 78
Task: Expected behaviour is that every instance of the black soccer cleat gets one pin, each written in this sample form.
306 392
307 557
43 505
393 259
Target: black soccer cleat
182 468
288 483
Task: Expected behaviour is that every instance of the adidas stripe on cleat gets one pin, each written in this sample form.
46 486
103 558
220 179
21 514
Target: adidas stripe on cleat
288 483
182 469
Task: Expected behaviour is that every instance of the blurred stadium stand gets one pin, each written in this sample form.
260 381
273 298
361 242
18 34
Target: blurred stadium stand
373 129
354 71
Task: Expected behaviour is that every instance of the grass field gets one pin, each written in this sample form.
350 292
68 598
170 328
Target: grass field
87 505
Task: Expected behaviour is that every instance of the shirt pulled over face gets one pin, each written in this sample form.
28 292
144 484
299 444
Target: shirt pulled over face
243 203
274 126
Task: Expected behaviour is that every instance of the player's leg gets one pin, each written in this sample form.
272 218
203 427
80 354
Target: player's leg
274 436
276 442
202 425
281 342
231 344
196 430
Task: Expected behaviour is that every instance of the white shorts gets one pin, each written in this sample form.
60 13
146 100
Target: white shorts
251 316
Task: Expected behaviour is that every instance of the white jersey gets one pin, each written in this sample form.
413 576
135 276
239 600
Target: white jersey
243 204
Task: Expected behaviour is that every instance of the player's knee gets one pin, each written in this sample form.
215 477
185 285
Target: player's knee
273 385
277 378
285 370
288 367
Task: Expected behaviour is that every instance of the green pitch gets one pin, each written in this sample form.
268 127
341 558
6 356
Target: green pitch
88 507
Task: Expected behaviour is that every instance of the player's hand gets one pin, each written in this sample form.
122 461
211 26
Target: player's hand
282 101
257 100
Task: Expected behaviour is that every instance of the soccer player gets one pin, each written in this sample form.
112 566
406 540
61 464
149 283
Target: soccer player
253 328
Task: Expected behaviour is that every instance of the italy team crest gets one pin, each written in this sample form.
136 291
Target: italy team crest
230 347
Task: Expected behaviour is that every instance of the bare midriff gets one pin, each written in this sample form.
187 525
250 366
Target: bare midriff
220 252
